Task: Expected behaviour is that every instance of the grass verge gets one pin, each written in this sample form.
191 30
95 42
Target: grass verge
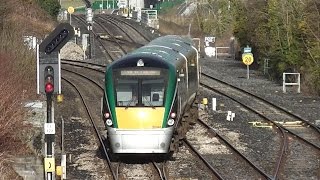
17 76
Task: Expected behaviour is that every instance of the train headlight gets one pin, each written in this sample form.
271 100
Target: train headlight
173 115
170 122
106 115
109 122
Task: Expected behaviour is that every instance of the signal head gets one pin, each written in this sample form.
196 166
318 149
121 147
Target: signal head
57 39
49 80
49 88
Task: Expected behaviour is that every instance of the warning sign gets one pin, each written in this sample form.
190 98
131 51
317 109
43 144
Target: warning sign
70 10
247 58
49 165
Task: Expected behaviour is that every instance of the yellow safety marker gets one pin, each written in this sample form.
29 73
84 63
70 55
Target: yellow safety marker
205 101
290 124
49 165
59 170
59 98
260 124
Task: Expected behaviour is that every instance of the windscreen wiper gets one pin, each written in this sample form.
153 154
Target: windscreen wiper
132 100
150 103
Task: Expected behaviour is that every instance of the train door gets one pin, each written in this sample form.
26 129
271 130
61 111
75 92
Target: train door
192 75
182 89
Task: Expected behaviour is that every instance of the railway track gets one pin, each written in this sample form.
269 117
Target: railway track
208 165
233 156
123 36
135 35
88 107
291 138
276 117
139 170
111 49
259 169
161 169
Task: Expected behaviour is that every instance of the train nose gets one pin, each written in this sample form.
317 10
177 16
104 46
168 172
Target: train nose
140 141
163 145
117 145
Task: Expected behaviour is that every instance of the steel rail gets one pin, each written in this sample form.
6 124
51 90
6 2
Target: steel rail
155 165
214 171
114 23
112 37
284 144
264 174
68 61
92 121
264 100
164 170
125 22
82 66
99 40
259 113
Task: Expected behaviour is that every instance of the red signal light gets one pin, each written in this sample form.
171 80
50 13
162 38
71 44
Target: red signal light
49 87
48 79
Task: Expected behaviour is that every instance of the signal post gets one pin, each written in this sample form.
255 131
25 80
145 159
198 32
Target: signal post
49 84
89 19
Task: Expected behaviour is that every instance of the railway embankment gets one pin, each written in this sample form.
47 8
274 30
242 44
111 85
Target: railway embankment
31 166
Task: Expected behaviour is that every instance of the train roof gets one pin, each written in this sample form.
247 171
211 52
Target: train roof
163 50
177 43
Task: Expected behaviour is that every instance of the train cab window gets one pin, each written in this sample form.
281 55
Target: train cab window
153 92
127 92
136 88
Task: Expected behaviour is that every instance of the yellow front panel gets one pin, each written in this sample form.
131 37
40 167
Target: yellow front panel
139 118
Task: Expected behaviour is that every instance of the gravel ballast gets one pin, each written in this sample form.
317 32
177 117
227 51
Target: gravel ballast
235 72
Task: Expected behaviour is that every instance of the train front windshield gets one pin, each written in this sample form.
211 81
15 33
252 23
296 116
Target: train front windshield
140 88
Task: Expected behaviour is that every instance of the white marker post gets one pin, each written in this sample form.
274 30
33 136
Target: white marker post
233 115
214 104
229 116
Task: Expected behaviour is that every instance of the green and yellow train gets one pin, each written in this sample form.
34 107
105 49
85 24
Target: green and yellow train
146 94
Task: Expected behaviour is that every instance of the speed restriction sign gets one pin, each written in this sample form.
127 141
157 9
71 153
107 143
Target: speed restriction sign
70 10
247 58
